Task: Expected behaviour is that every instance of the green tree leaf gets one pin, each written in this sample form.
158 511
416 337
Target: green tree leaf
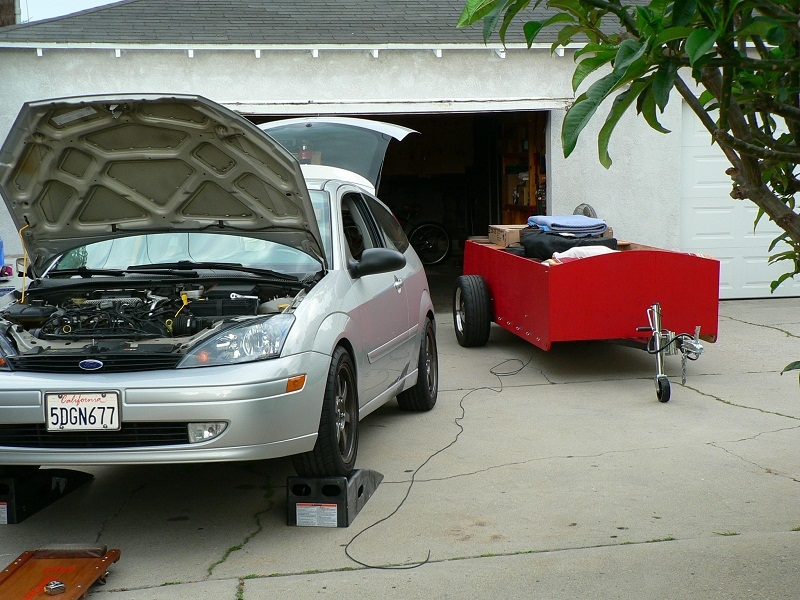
629 51
646 21
618 108
648 108
659 8
511 12
490 20
663 81
700 41
571 6
774 285
580 113
683 12
671 34
776 36
532 28
588 66
759 26
593 48
474 11
792 366
567 32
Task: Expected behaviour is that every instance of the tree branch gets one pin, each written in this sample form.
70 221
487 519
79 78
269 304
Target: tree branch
772 143
705 119
754 150
624 18
742 62
778 11
771 105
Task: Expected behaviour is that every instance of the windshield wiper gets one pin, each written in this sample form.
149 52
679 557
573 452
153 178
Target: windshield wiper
190 265
84 272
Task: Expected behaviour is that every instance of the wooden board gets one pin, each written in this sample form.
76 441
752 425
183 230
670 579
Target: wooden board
77 567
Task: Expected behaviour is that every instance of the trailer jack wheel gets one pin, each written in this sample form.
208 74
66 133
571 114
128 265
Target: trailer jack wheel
662 388
664 342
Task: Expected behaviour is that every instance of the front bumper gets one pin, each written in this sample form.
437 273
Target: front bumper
263 419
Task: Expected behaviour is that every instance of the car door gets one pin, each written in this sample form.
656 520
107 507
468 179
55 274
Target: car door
381 312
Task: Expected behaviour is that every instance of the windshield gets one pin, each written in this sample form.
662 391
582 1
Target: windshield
162 248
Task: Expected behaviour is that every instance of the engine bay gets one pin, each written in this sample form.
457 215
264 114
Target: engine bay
135 317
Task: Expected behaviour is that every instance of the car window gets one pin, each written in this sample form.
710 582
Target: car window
322 210
355 227
390 228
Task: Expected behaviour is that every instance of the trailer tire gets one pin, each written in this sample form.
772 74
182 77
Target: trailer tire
472 312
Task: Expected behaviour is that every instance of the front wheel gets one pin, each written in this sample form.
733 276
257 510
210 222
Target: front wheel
334 454
431 242
423 395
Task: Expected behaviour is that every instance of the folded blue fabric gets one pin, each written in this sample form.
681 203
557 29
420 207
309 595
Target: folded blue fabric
579 225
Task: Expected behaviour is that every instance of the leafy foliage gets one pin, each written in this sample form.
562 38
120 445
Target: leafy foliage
743 54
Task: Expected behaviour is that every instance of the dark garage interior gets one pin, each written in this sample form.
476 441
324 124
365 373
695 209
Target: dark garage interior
465 170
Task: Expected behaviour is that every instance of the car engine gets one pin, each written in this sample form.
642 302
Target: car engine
59 319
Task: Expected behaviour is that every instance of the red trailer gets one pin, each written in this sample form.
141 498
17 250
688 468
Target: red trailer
640 295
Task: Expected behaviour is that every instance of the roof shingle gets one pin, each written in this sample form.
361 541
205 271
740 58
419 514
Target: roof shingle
265 23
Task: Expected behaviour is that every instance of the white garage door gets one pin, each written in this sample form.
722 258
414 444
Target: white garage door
713 223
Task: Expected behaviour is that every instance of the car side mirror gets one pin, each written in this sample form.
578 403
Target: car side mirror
376 260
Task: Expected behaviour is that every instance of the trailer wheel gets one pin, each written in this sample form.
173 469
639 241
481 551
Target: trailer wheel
472 314
662 388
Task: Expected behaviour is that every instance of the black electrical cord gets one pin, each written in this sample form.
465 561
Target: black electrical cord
494 371
681 336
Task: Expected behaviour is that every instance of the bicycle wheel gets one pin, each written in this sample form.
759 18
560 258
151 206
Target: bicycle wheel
431 242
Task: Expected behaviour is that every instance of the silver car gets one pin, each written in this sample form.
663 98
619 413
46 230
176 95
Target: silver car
192 293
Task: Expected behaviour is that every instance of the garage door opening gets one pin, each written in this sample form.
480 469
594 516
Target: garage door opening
466 171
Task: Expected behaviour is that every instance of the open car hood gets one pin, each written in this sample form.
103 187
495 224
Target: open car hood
85 169
351 144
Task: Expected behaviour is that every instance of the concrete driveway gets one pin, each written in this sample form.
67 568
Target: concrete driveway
538 475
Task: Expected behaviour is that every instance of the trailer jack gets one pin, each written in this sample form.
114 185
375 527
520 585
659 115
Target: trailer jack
665 343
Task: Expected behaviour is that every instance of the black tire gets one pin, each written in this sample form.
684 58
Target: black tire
334 454
662 388
431 242
472 313
423 395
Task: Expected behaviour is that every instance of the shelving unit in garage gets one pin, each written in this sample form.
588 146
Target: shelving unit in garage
523 176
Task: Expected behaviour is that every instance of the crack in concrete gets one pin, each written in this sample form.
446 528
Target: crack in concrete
769 470
405 565
744 406
122 505
606 453
269 495
761 325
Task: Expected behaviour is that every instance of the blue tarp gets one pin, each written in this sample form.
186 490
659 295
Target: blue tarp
578 225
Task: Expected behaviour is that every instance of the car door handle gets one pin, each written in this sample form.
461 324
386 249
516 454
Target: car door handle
398 284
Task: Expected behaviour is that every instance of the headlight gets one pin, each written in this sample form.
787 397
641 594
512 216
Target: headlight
5 350
253 340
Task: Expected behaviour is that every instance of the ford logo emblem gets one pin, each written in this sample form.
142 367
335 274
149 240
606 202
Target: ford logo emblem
90 364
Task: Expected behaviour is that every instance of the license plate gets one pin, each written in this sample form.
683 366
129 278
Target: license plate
73 412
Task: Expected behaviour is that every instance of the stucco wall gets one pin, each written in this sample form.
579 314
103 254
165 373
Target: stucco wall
639 195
